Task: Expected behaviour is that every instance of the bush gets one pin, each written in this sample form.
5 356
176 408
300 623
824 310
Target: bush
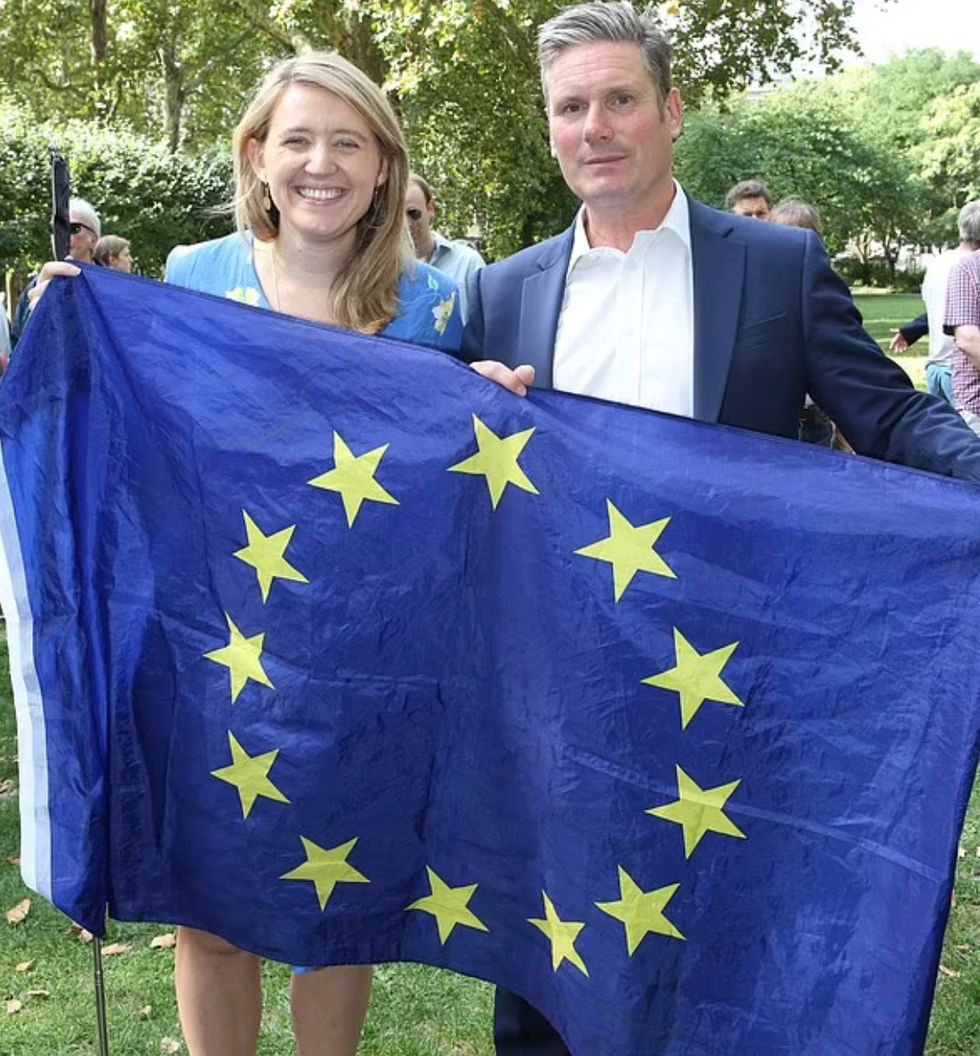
876 272
144 193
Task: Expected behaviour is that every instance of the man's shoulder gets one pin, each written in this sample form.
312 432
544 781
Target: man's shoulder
532 259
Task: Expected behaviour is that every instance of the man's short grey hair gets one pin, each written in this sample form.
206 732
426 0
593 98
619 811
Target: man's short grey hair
86 213
747 189
616 21
970 222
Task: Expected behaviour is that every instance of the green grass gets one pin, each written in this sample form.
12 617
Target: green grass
415 1011
885 312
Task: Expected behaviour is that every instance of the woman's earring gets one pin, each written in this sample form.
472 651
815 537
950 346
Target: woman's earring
266 199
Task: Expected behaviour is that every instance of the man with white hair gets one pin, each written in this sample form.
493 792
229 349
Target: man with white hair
85 227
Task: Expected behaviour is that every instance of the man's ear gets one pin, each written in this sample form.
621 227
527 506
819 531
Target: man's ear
674 114
256 157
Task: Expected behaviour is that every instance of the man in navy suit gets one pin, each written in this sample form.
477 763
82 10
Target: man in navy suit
655 300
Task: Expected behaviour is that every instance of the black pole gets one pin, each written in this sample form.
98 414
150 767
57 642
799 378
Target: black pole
100 1015
60 194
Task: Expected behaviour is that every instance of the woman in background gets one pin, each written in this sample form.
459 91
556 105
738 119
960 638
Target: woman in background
111 251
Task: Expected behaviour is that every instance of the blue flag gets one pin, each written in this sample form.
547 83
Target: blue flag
326 645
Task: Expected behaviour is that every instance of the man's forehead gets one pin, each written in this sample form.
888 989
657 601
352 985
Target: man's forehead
598 68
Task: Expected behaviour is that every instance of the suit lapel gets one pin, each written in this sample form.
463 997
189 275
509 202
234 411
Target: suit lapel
719 271
541 297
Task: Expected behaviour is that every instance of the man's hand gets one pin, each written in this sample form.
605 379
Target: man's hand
899 344
518 380
48 272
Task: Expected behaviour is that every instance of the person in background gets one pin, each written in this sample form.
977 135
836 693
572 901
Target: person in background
321 169
962 321
85 228
750 198
112 251
455 259
939 366
815 426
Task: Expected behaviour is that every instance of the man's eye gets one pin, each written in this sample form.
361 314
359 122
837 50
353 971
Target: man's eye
623 99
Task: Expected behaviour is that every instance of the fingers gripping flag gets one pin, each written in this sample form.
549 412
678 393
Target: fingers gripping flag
326 645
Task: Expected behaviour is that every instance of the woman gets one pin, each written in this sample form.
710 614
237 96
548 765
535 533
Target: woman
111 251
321 169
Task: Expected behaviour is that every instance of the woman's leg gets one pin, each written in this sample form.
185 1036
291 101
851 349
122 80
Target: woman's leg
329 1006
219 995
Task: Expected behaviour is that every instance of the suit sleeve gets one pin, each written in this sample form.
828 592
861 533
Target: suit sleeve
472 348
869 397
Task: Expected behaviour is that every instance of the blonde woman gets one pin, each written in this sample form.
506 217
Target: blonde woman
321 170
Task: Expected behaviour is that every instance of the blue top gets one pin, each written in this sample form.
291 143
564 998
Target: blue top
428 311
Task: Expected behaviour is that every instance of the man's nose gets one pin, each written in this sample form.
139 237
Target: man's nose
597 126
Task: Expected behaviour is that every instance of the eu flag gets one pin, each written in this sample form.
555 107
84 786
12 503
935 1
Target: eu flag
326 645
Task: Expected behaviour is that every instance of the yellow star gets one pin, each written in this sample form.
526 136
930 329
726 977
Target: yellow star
250 775
561 934
243 658
449 906
629 549
696 677
699 811
496 460
326 868
641 911
265 553
353 477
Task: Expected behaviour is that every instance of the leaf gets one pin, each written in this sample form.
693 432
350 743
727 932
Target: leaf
6 785
14 859
24 966
19 913
169 1046
167 941
948 972
39 993
961 851
114 948
146 1012
13 1007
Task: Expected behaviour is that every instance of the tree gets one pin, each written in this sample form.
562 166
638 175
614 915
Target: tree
948 157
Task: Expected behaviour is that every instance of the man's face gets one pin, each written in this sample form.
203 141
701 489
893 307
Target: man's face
83 238
757 208
612 137
420 214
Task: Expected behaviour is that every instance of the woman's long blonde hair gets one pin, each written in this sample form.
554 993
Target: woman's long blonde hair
366 291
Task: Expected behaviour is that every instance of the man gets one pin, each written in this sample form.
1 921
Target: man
939 366
963 322
456 259
655 300
750 198
85 227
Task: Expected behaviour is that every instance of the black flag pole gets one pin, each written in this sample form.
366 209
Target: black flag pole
100 1015
60 194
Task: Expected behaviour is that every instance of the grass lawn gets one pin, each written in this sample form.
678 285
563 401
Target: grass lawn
884 312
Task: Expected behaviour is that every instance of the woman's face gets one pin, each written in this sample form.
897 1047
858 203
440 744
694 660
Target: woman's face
122 261
322 164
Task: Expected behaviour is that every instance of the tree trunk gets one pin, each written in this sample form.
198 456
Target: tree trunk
174 94
98 14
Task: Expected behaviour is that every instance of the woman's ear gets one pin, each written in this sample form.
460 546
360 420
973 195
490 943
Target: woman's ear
255 152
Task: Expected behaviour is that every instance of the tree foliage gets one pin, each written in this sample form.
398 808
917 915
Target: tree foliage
142 191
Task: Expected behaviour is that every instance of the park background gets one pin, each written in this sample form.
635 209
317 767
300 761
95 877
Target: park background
141 96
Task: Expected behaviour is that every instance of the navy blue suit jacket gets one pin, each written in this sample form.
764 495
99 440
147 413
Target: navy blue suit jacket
772 321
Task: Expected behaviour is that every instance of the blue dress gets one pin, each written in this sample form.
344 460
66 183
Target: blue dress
428 310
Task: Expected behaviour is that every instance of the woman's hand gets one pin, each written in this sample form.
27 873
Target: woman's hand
48 272
518 380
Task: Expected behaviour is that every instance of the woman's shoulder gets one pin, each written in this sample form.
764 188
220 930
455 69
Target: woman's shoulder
429 309
222 266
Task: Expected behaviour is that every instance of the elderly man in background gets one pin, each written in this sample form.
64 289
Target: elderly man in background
963 323
939 366
455 259
750 198
85 227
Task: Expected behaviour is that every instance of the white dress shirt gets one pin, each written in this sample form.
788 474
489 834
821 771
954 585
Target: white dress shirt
626 327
